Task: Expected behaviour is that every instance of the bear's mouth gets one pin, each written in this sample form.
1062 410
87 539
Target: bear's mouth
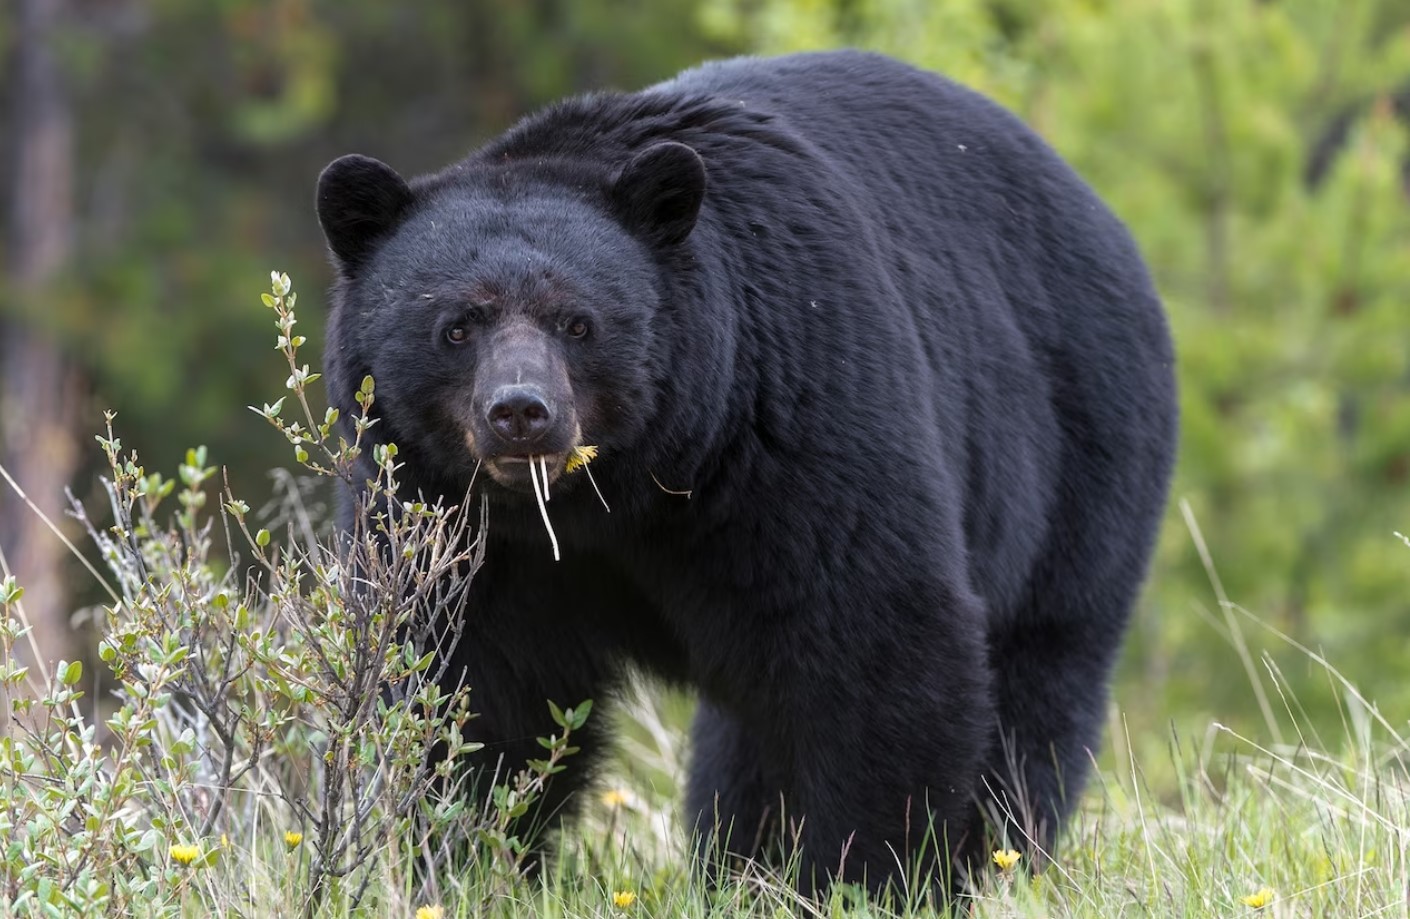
520 472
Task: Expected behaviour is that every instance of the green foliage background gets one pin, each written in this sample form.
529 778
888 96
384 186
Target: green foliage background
202 126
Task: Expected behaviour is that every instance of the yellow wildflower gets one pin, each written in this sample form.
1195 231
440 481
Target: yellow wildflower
1006 858
1258 900
579 458
224 841
185 855
623 898
292 838
616 797
430 912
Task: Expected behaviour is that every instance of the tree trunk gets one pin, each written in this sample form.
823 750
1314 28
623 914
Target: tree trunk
40 389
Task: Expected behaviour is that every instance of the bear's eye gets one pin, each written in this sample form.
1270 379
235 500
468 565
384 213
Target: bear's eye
577 328
457 334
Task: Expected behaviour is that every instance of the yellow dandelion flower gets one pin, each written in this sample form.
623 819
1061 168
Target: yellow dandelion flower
185 855
616 797
623 898
1006 858
430 912
292 839
1258 900
579 458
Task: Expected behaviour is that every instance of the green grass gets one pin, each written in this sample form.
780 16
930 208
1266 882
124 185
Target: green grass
1327 832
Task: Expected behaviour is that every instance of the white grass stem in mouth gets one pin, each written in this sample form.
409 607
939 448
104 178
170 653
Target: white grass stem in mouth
595 488
543 467
471 487
543 511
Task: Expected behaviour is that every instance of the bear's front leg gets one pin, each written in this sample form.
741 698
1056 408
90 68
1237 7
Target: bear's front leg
733 801
532 635
874 721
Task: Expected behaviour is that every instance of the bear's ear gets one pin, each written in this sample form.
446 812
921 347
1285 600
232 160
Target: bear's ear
658 195
359 201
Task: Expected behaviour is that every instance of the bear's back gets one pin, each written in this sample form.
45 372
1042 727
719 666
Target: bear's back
1041 333
916 240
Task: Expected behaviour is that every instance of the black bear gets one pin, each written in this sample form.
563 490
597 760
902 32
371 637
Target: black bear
883 409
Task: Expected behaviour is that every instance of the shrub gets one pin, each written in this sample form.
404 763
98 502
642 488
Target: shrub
287 694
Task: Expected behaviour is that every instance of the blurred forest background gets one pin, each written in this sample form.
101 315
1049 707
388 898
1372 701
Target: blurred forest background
158 159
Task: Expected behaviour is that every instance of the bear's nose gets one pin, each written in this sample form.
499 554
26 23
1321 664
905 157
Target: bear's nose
519 414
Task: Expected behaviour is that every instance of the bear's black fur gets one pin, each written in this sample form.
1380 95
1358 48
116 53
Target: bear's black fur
885 413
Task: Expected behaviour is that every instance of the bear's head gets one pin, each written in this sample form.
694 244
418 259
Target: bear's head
507 310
